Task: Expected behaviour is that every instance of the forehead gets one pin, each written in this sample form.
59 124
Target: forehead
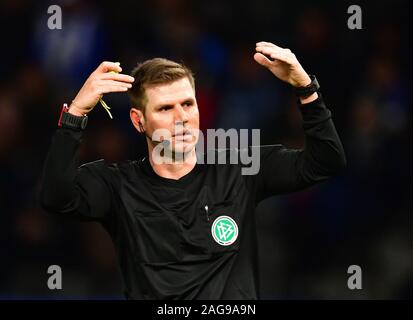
170 93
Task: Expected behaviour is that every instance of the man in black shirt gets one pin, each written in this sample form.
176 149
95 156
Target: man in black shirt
182 229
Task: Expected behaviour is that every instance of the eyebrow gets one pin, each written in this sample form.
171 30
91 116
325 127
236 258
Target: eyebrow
188 100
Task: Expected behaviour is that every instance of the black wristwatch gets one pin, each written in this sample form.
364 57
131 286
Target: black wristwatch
68 120
308 90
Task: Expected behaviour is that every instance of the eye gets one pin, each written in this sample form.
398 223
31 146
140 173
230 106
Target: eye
188 103
165 108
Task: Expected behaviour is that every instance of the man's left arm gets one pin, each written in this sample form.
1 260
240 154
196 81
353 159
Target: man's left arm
286 170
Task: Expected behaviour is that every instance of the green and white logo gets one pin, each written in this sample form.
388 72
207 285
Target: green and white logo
224 230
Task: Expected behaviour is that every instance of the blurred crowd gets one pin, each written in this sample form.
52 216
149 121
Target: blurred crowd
307 239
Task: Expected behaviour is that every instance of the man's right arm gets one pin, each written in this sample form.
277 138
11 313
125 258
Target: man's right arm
86 191
83 192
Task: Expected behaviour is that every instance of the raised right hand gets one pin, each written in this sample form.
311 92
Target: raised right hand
99 82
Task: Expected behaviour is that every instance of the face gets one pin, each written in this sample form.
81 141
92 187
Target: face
172 107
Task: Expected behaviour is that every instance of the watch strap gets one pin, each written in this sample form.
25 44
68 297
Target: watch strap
306 91
68 120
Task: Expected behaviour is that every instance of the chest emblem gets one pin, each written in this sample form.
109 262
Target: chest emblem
224 230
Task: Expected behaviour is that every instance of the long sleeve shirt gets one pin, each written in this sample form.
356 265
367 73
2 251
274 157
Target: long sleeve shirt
194 237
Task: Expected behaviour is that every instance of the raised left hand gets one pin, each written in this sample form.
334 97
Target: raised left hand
285 65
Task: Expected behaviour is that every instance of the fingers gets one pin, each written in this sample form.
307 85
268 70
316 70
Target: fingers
262 60
268 49
267 44
99 84
112 82
276 53
107 66
100 87
117 77
111 88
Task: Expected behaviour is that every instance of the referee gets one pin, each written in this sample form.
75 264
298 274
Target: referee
182 229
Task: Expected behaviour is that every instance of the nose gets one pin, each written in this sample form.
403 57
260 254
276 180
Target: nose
181 116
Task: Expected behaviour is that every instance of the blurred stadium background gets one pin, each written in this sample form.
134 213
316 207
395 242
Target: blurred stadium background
307 239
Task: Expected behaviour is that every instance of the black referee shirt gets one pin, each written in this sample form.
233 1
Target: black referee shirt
195 237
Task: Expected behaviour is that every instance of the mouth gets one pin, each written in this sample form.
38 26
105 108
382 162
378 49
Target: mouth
185 135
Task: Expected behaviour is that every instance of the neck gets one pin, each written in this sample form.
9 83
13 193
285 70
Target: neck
173 168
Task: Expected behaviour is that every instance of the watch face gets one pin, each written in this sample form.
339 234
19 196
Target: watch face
315 84
84 122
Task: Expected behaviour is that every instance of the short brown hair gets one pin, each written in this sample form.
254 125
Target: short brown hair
152 72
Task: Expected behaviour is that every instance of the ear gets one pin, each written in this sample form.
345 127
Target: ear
137 119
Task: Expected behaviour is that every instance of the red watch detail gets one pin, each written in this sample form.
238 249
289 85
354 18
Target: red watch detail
65 108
